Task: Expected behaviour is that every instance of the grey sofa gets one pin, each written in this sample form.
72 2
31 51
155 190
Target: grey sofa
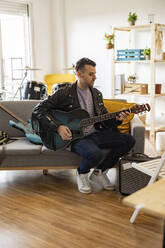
23 155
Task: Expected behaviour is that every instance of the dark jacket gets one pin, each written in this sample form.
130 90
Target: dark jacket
66 99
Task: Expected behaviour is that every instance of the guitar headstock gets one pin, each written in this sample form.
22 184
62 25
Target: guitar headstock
139 108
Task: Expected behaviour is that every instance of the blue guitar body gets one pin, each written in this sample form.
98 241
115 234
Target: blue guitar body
70 119
28 131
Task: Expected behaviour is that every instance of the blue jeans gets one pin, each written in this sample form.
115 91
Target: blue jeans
89 148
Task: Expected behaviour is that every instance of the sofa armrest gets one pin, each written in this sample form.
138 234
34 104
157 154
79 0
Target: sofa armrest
138 131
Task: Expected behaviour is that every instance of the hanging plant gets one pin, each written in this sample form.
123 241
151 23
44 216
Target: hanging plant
110 40
132 18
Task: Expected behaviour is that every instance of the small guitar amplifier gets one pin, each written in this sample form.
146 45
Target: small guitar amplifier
130 180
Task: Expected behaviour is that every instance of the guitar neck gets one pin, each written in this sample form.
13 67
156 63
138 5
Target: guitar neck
12 114
90 121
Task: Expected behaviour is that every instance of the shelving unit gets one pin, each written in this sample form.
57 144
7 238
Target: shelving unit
152 63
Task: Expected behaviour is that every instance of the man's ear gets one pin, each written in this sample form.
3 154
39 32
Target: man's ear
78 74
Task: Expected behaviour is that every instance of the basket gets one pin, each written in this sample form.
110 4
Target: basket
130 54
135 88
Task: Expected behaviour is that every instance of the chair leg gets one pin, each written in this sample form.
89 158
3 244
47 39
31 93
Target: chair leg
136 212
45 172
134 215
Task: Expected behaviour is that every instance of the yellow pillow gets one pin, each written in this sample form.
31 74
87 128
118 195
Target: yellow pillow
115 106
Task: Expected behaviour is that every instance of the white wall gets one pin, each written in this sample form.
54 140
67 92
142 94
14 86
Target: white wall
87 21
59 52
66 30
48 32
84 25
42 37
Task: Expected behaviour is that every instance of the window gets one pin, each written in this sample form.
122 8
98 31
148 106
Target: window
15 51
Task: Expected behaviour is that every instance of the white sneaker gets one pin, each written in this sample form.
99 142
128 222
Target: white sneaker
101 178
83 183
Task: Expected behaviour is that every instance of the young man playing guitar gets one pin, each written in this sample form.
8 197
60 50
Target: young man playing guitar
105 134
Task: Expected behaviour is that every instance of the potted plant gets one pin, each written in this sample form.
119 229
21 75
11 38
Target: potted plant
147 53
132 18
132 78
110 40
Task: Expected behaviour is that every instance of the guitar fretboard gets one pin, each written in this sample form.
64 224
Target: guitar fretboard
89 121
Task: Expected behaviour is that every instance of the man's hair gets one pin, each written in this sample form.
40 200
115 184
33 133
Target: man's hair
82 62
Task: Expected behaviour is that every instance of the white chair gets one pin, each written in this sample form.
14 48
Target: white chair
153 168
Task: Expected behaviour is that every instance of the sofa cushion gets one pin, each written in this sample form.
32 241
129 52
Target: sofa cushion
22 147
115 106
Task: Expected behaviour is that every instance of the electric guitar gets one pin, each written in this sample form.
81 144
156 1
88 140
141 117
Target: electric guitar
23 126
79 119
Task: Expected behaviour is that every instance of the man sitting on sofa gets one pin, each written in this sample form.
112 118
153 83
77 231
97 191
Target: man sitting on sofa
101 135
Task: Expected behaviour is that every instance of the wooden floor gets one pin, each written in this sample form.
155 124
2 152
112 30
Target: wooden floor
40 211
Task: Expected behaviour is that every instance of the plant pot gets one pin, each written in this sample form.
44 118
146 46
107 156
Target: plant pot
147 57
132 81
158 88
131 23
163 56
109 46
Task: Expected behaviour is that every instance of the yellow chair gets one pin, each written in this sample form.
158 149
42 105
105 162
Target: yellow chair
51 79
